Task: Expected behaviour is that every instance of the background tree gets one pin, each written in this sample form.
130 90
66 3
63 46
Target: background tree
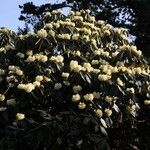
131 14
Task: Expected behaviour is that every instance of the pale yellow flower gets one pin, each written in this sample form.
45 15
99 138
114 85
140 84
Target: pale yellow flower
36 83
130 90
103 77
20 116
99 113
65 74
2 97
89 97
42 33
39 78
147 102
108 112
76 97
81 105
19 72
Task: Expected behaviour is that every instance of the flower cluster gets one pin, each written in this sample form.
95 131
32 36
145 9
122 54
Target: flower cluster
75 61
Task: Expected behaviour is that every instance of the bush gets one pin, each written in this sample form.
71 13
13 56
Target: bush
76 83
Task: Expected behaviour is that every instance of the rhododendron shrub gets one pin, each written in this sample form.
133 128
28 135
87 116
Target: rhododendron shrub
76 83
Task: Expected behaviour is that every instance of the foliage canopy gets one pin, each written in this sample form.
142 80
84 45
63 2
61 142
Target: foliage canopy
71 84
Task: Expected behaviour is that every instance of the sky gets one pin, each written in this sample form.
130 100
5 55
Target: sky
10 12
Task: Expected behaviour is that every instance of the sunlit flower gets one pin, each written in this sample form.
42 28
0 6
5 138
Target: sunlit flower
81 105
89 97
20 116
2 97
19 72
108 99
65 75
76 97
42 33
147 102
131 109
119 82
108 112
39 78
36 83
103 77
99 113
130 90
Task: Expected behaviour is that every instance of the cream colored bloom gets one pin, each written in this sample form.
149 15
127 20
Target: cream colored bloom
29 87
97 52
95 62
81 105
11 78
12 68
103 77
99 113
108 112
147 102
42 33
89 97
91 19
19 72
2 97
88 67
21 86
48 26
108 99
31 59
72 13
39 78
2 72
96 71
77 53
75 36
36 83
57 59
43 58
76 97
85 38
46 79
130 90
77 18
119 82
107 32
20 116
131 109
51 33
74 66
139 53
29 53
64 36
65 75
